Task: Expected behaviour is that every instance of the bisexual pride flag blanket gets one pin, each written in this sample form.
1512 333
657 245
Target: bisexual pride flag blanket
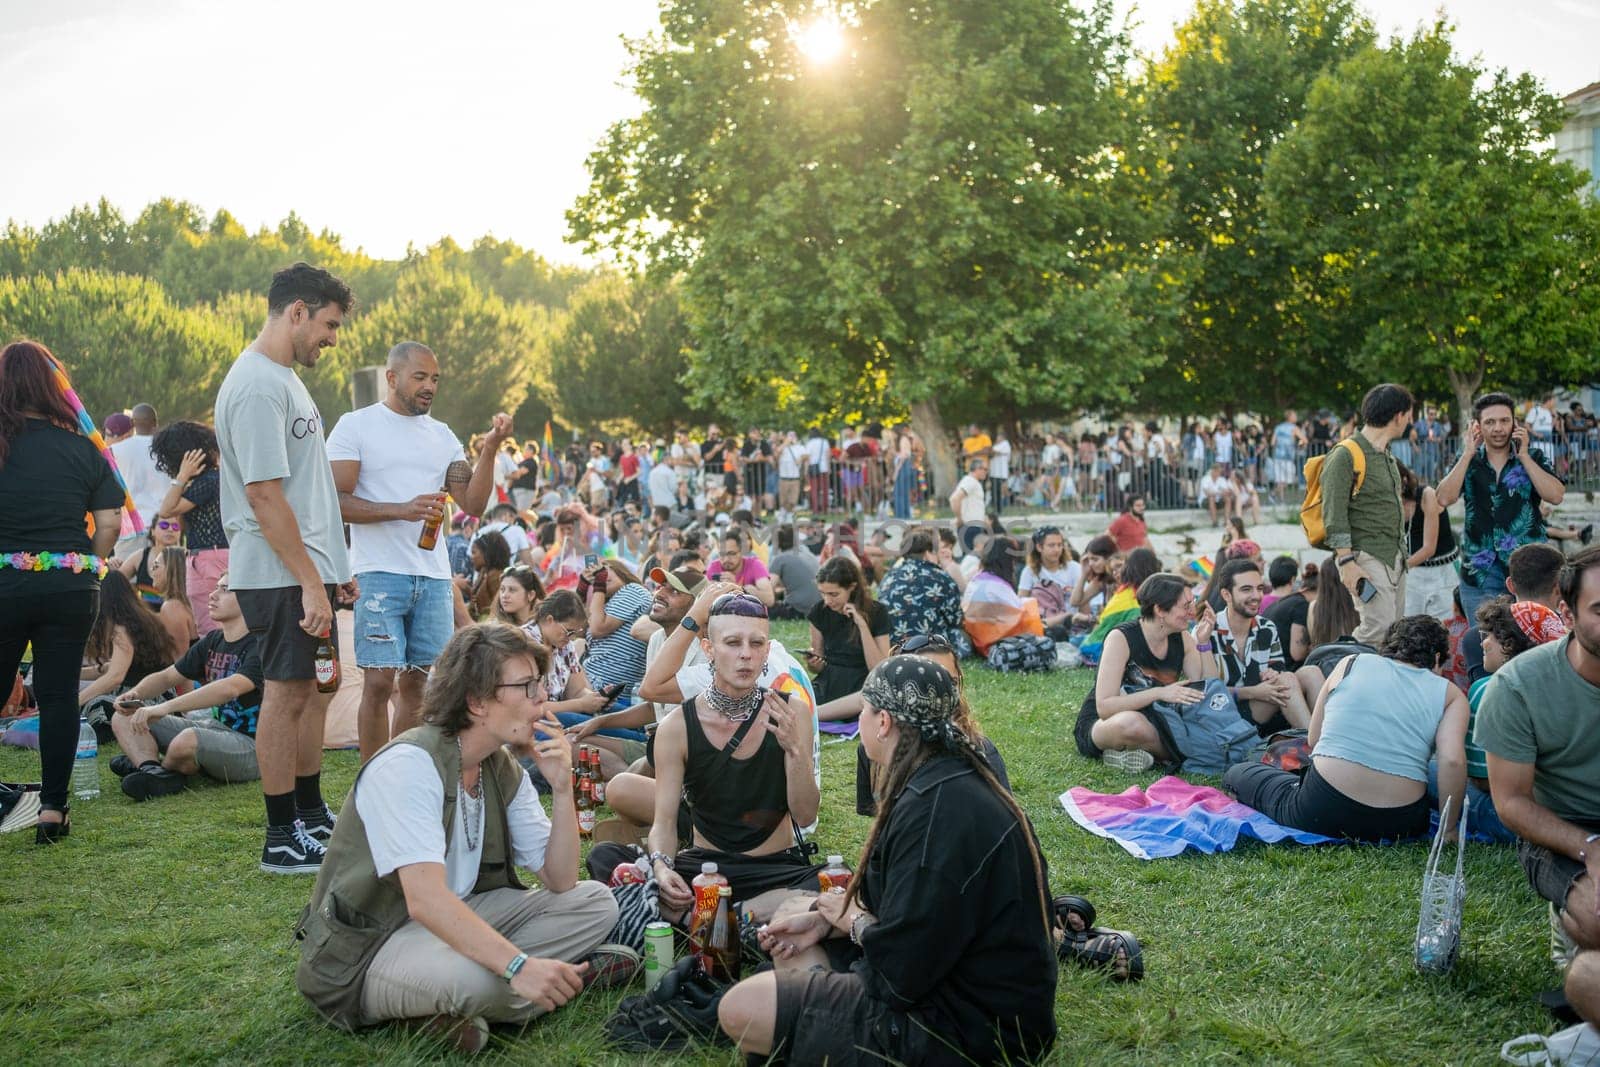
1172 816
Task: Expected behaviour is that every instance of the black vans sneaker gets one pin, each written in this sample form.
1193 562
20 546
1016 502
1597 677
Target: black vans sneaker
291 850
318 822
153 780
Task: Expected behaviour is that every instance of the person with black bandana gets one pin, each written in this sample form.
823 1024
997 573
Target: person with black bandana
941 950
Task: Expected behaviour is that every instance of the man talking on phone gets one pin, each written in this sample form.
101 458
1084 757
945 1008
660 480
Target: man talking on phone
1501 480
1366 527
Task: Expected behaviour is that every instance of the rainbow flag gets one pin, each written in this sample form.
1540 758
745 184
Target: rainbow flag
92 432
1202 567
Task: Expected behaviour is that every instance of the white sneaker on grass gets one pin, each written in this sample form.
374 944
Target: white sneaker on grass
1573 1047
1130 760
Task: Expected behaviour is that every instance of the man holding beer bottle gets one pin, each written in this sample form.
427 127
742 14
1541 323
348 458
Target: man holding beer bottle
393 463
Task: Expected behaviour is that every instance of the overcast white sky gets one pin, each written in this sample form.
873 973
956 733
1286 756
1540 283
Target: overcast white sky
395 122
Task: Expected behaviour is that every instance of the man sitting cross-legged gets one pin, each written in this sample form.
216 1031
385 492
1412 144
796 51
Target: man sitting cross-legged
210 729
1539 723
418 913
1250 656
742 756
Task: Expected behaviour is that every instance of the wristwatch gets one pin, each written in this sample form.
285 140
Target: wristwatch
1346 559
514 967
689 624
1583 853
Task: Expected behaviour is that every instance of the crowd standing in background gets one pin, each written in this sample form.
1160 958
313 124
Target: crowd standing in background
509 601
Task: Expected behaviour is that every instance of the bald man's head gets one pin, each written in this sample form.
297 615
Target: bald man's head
144 419
413 377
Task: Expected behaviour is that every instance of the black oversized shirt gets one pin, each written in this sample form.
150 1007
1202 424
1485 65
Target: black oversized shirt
961 940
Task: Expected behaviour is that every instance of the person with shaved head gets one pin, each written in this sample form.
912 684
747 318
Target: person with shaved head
393 464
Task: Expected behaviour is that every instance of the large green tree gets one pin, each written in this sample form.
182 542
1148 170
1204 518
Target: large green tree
1437 240
620 354
936 218
1230 87
123 341
491 353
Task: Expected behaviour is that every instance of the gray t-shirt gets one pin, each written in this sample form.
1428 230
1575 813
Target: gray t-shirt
797 571
1537 709
268 427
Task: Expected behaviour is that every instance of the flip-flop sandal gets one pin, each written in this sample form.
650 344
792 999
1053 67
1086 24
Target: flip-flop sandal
1070 905
1097 948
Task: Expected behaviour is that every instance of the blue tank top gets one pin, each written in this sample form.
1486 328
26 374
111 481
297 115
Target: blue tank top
1384 715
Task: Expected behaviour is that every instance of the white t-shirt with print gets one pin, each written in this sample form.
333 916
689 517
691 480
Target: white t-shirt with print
401 457
399 797
1066 577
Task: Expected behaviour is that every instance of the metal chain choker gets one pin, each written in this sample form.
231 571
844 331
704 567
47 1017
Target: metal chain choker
734 709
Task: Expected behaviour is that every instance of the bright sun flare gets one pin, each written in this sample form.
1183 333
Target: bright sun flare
820 40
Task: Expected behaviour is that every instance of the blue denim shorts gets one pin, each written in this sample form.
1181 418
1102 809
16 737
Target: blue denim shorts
402 620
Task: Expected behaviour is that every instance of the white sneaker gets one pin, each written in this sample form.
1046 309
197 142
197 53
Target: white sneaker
1576 1046
1130 760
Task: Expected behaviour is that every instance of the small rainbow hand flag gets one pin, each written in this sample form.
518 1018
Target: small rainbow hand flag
1201 566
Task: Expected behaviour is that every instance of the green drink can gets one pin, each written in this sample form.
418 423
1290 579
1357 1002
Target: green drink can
657 952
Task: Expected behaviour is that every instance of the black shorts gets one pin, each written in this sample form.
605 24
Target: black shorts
1549 873
750 876
826 1016
288 653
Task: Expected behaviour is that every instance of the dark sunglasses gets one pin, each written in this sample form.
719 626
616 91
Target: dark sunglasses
741 604
923 643
163 524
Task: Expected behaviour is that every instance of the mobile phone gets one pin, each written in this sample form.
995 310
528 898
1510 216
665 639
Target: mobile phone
1365 590
591 561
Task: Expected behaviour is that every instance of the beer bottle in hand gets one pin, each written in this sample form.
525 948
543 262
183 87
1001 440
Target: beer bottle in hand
327 664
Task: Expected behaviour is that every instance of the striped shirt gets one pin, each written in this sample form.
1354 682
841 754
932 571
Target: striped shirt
1261 649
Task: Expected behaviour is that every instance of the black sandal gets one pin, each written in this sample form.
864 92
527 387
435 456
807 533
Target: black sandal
1098 948
1070 905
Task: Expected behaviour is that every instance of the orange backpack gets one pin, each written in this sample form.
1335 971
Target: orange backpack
1311 511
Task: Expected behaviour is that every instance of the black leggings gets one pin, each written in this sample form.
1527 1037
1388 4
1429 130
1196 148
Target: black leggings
58 624
1312 804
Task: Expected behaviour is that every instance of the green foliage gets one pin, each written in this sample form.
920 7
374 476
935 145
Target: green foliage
620 355
491 353
122 340
515 274
1231 86
1437 241
937 206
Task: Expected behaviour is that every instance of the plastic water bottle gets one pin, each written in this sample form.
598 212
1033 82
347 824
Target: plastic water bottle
86 768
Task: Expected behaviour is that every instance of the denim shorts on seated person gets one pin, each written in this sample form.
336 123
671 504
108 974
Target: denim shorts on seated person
402 620
1551 874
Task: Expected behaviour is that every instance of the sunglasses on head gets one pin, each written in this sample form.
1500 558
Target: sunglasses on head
923 643
741 604
1044 531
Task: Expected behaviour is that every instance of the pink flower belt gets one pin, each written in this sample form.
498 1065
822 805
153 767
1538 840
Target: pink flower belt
77 562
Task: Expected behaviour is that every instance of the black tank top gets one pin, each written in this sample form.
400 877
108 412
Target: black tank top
1447 538
1164 669
734 803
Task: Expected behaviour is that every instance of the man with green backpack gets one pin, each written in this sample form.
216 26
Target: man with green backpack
1352 508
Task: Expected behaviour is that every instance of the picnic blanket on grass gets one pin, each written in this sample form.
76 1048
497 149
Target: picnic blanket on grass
1172 816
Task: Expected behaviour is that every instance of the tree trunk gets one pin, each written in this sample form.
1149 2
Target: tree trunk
928 424
1465 386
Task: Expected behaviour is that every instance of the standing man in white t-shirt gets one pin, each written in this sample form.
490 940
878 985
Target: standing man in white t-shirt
146 485
280 512
392 463
999 469
966 500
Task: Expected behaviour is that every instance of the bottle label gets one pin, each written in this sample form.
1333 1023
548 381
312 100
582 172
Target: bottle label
585 821
327 670
88 749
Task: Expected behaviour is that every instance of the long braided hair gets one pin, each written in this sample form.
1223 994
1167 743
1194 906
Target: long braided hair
924 709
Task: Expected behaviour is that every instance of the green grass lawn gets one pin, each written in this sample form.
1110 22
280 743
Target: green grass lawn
150 937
